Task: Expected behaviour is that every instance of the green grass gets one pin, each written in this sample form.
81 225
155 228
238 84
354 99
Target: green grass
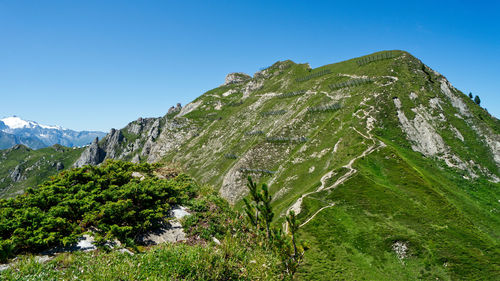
37 165
229 261
391 200
450 223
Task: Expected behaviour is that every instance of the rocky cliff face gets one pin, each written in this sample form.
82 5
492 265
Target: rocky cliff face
236 78
92 155
146 139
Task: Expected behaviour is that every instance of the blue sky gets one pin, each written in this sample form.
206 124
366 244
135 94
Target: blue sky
101 64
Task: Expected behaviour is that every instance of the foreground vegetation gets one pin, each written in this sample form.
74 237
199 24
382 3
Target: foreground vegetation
107 200
222 244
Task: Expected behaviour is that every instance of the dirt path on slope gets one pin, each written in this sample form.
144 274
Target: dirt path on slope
296 207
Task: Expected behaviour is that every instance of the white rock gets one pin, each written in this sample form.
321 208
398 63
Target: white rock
86 243
125 251
179 212
216 241
456 101
138 175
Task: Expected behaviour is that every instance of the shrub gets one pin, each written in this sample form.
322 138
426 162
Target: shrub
106 199
260 215
477 100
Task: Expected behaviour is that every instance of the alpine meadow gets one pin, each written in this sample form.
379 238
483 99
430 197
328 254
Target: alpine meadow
374 168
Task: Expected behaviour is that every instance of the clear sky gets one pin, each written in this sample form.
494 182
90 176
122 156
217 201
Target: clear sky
101 64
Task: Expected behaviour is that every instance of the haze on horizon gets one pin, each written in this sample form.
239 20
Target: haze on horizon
90 65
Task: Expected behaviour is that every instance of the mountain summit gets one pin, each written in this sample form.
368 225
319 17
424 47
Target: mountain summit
393 173
14 130
15 122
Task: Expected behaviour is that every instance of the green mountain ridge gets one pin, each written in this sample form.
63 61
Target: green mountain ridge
393 172
22 167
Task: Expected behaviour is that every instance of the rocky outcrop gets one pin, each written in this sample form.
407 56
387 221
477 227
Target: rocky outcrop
176 109
59 166
17 174
93 155
111 144
236 78
170 232
144 139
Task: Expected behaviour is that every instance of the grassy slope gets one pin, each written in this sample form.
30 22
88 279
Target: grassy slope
449 223
165 262
451 232
38 165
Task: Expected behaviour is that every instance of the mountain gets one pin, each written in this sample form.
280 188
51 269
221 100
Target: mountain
393 172
22 167
14 130
10 140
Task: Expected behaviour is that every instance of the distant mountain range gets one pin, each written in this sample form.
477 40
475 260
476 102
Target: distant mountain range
14 130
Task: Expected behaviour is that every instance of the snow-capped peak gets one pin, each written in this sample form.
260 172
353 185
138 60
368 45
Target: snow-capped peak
15 122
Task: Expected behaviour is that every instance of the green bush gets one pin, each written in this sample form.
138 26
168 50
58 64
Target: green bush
104 199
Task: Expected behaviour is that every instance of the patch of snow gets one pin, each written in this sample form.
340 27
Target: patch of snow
354 76
393 80
369 122
442 117
51 127
15 122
